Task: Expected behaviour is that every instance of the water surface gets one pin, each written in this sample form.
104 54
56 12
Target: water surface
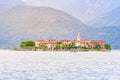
59 65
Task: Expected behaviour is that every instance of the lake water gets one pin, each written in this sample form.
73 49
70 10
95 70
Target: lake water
59 65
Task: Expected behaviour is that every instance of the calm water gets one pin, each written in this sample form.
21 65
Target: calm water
59 66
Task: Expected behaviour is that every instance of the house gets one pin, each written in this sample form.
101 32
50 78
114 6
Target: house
51 43
40 42
100 42
66 42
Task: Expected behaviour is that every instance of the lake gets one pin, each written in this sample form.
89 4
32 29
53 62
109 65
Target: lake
15 65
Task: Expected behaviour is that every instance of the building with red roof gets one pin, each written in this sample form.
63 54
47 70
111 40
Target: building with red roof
51 43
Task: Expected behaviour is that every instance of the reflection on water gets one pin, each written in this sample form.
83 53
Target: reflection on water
59 66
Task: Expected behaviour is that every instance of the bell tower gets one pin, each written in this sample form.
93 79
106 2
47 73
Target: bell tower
78 37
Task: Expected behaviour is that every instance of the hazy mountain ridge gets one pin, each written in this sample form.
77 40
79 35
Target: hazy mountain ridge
28 22
109 34
108 27
111 18
6 4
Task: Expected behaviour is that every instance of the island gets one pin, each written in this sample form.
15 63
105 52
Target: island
64 45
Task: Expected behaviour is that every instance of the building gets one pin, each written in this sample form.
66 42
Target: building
40 42
51 44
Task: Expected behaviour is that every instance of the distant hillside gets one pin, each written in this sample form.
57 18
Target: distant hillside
111 18
22 23
6 4
110 34
107 28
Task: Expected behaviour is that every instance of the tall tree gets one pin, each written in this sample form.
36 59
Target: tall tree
108 46
27 44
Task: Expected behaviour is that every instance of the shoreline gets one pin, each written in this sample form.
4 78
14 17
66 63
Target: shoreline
11 50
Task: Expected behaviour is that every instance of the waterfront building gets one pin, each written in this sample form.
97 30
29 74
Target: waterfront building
51 44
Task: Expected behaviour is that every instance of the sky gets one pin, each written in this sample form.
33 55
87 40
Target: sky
85 10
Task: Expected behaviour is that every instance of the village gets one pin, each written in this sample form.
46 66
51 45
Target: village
66 45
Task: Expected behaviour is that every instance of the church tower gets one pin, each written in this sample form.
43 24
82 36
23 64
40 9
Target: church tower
78 37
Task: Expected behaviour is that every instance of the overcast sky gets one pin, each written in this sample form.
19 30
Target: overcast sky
84 10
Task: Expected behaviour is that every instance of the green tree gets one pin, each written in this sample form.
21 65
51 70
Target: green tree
108 46
22 44
84 47
27 44
70 46
59 45
42 47
97 46
75 47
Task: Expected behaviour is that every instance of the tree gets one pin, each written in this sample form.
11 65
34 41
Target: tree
108 46
69 46
30 43
22 44
84 47
42 47
97 46
27 44
59 45
75 47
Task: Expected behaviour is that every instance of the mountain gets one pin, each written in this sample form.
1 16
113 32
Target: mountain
111 18
6 4
109 34
107 28
26 22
